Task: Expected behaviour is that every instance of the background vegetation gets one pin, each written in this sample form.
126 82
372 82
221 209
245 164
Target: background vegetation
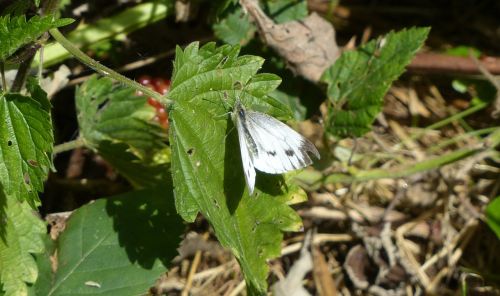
120 173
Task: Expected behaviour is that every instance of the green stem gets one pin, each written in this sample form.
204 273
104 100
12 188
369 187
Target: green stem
460 137
450 119
103 70
313 180
77 143
402 171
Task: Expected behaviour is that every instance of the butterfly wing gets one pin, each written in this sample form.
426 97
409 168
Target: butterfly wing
246 145
279 148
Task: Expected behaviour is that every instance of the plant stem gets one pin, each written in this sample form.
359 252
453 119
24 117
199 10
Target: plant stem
315 179
454 140
445 121
22 73
402 171
77 143
103 70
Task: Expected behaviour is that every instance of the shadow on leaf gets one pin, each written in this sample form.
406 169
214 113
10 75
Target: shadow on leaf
147 224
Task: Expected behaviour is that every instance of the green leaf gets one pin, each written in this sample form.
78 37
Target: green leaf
139 172
119 125
359 79
493 215
15 31
282 11
17 7
111 112
235 27
21 235
26 143
106 28
206 161
293 101
115 246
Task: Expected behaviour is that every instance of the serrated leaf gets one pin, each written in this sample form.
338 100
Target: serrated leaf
493 215
282 11
20 236
111 112
359 79
26 143
206 161
235 28
115 246
15 31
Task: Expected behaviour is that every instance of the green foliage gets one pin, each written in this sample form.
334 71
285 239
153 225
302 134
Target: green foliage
26 143
113 27
20 236
359 79
119 125
17 7
292 101
206 164
235 26
493 215
139 172
111 112
282 11
15 31
114 246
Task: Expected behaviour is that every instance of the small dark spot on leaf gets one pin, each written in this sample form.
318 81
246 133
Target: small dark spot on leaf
32 162
190 151
289 152
9 143
272 153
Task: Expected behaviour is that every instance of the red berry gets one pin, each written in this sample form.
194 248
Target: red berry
144 80
161 85
154 103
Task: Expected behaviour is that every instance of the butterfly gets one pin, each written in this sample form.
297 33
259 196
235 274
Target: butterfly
268 145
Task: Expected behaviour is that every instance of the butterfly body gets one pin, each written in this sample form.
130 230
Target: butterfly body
268 145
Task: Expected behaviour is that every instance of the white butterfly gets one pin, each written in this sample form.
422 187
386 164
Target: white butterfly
269 145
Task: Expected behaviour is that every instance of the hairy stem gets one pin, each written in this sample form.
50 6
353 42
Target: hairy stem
103 70
77 143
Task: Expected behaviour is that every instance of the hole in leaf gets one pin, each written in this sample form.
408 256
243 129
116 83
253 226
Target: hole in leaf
190 151
27 179
9 143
